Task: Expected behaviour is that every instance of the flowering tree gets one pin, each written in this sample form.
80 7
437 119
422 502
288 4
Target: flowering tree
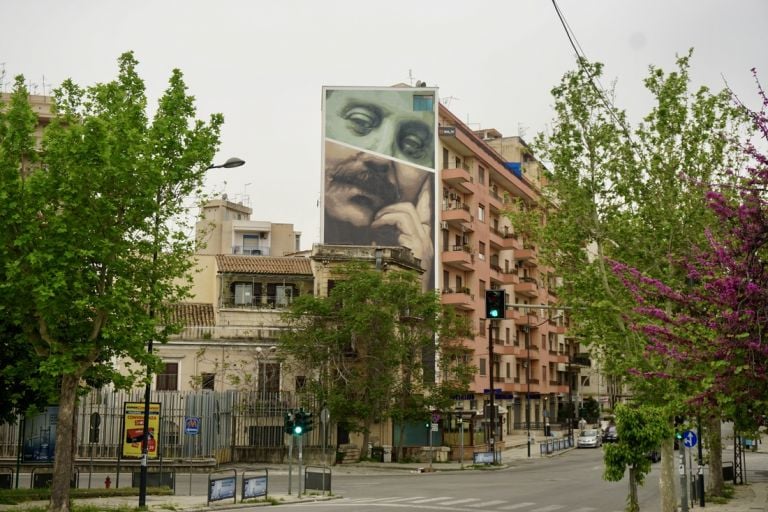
712 331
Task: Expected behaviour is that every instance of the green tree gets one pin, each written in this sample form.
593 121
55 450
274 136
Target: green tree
362 347
639 430
95 242
633 196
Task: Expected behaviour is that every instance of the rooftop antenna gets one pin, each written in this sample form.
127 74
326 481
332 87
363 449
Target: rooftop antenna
2 77
44 84
410 77
446 100
521 129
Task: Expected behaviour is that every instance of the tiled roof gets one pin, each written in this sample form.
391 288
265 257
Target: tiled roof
263 265
193 314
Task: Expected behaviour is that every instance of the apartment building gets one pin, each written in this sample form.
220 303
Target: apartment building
482 176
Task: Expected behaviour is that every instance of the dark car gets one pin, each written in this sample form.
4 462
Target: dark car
654 455
610 435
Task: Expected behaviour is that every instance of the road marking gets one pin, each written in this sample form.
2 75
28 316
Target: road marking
548 508
517 506
441 498
487 504
459 502
584 509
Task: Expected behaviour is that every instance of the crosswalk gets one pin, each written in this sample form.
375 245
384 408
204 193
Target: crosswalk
450 503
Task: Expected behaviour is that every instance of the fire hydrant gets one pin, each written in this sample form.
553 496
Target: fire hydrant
107 482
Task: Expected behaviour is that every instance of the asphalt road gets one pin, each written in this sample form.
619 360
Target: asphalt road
572 482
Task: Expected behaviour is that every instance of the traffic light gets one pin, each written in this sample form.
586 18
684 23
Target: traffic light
288 422
299 423
308 422
495 303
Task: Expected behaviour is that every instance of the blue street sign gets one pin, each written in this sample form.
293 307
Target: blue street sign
191 425
689 439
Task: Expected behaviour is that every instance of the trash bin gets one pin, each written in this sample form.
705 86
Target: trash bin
728 471
377 453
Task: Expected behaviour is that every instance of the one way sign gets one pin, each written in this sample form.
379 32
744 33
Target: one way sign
689 439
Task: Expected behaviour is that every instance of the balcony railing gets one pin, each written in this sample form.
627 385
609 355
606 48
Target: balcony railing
257 302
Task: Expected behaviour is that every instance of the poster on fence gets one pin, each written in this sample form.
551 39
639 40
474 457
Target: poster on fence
40 436
133 429
253 487
222 489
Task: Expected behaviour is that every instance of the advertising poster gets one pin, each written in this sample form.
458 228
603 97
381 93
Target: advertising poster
222 489
133 416
40 436
379 157
253 487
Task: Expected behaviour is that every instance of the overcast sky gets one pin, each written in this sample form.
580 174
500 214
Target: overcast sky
262 64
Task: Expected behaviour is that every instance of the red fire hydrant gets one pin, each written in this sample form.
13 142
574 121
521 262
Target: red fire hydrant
107 482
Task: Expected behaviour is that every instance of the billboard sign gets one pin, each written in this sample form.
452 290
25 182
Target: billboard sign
379 157
133 429
40 436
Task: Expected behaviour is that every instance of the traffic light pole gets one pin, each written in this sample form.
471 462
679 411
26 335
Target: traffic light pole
300 440
492 408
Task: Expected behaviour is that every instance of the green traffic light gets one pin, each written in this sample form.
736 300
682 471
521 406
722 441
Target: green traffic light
494 313
297 430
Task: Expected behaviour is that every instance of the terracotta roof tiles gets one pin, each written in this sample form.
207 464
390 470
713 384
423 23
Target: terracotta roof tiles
263 265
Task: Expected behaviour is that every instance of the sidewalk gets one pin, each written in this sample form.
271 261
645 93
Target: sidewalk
748 498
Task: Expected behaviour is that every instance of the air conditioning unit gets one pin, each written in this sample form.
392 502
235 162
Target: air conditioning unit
443 225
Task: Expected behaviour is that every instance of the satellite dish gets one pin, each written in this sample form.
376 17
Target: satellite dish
419 83
224 197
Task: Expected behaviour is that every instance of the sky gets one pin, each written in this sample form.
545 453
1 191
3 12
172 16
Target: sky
263 63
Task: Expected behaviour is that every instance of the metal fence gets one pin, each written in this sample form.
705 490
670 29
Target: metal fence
234 426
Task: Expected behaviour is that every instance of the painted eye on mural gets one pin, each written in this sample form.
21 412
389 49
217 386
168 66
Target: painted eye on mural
414 139
362 119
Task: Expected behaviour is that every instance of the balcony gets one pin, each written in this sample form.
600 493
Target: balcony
456 212
495 201
510 277
511 241
496 238
527 254
460 298
458 256
527 287
458 178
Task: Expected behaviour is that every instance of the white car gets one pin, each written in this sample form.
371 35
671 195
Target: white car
589 438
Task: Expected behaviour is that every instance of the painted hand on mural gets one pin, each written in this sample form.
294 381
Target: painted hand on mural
413 223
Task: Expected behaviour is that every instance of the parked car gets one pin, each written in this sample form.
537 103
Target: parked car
610 435
654 455
589 438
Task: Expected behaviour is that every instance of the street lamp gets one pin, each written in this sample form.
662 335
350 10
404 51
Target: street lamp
527 330
230 163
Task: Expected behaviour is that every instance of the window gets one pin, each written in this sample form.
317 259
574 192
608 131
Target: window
208 380
481 213
167 380
445 158
482 251
482 287
243 294
506 336
301 382
251 244
481 369
423 103
446 280
509 370
585 381
481 174
269 377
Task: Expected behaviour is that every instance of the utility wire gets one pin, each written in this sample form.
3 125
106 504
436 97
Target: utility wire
582 60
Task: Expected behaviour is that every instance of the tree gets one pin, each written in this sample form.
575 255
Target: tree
361 347
714 331
630 195
94 244
639 430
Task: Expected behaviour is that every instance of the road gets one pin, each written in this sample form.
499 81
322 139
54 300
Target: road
572 482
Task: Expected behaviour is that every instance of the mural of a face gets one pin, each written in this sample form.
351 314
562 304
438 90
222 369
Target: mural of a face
385 122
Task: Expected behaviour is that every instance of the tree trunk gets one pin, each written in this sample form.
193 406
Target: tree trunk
633 504
667 477
366 439
715 483
401 437
62 466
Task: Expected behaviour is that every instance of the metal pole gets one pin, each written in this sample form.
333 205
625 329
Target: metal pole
528 383
683 482
300 441
290 463
701 462
492 409
461 441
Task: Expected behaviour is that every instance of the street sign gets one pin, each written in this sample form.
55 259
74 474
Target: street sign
689 439
434 427
191 425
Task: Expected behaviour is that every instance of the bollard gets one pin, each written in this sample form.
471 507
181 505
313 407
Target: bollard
107 482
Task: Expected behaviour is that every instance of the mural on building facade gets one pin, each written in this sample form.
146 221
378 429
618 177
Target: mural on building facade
379 169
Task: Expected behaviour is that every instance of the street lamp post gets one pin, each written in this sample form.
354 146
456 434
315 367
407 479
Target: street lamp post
230 163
